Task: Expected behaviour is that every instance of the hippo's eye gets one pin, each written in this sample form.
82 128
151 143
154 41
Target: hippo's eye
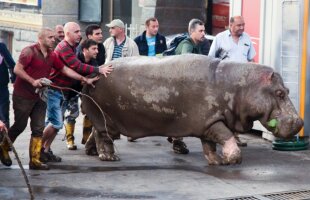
280 94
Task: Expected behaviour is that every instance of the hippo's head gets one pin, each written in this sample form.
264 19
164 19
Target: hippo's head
266 99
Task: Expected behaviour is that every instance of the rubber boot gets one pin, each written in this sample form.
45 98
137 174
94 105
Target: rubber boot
87 128
34 154
70 137
4 153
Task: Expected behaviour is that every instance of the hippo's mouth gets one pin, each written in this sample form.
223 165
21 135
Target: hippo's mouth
272 125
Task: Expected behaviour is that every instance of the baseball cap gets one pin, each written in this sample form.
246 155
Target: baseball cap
116 22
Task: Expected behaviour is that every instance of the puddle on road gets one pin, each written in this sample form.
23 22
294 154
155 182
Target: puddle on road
84 193
64 192
81 169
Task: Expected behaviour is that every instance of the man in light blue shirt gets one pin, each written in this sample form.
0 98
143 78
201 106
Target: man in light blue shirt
233 44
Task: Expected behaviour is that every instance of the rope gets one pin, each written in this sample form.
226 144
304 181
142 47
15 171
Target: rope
101 111
6 136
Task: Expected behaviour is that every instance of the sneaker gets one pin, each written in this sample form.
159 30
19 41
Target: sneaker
51 157
179 147
43 156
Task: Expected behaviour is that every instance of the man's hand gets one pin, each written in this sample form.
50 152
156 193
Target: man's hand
2 127
105 69
90 81
41 82
37 83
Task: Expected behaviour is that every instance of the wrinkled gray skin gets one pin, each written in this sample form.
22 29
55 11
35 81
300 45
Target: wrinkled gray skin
189 95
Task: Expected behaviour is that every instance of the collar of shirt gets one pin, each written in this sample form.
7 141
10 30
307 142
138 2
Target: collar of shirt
115 43
229 34
37 46
72 47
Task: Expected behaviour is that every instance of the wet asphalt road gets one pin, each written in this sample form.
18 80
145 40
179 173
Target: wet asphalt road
150 170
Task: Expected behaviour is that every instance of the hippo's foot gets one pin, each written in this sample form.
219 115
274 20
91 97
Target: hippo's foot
108 157
232 159
106 150
231 152
214 159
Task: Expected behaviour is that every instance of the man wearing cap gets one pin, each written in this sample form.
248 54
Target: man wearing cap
119 45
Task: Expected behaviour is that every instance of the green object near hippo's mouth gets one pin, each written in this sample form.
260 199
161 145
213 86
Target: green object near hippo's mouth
273 123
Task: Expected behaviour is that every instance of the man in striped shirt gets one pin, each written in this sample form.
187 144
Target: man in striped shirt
66 51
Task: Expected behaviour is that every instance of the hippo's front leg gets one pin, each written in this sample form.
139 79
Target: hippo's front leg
209 149
219 133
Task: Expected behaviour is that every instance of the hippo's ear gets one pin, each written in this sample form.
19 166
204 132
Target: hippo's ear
267 77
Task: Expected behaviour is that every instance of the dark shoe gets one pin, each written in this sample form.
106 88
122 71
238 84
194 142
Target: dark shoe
43 156
41 166
51 157
179 147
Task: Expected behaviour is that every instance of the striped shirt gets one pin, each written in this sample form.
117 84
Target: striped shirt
117 52
67 55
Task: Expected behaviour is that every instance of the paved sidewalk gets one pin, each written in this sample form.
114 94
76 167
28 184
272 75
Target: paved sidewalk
149 170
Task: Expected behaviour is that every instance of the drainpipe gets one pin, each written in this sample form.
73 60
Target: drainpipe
302 104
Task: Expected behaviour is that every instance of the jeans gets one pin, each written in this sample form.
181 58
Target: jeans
54 115
5 105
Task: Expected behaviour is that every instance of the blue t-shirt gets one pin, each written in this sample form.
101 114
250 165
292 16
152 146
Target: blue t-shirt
151 44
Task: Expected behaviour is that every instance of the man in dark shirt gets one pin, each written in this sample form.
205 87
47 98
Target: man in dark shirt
33 67
193 44
150 42
94 32
6 66
196 31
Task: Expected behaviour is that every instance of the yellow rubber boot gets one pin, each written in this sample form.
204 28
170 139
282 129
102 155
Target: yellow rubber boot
4 153
87 128
70 137
34 154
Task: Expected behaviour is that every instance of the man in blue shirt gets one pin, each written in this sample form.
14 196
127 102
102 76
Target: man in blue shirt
150 42
233 44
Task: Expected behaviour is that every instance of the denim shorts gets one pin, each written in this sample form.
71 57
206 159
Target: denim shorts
54 114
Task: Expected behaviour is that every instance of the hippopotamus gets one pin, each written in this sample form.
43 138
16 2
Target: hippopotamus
188 95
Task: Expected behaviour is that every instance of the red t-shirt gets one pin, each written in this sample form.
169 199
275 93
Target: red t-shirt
35 66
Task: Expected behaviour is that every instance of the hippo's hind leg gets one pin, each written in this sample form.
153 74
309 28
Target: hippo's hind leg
219 133
90 145
103 134
105 146
209 149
